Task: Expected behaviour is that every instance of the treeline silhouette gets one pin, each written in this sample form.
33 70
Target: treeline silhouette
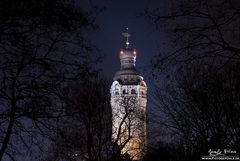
199 100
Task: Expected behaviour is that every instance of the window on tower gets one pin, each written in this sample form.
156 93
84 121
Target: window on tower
133 91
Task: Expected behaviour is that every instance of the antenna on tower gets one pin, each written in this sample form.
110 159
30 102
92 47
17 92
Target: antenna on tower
127 35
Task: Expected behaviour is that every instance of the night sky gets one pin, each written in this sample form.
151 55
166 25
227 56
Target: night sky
192 105
113 21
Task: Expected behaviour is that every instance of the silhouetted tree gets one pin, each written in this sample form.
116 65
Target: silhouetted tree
128 127
86 134
198 29
199 97
42 46
202 108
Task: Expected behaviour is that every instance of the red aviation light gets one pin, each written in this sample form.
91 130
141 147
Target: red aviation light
121 51
135 52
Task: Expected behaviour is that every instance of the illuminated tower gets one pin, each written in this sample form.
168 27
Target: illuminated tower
128 102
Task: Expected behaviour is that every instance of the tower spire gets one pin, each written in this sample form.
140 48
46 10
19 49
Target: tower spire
126 35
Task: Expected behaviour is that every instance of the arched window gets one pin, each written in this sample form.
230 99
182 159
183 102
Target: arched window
116 93
124 91
133 91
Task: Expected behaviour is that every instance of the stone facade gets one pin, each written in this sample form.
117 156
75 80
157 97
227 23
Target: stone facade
128 102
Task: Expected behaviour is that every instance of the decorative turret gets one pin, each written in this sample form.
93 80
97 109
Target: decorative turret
127 55
128 73
128 58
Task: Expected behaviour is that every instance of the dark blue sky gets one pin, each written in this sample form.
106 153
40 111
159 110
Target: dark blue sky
145 38
118 15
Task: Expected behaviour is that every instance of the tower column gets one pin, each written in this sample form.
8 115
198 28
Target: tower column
128 102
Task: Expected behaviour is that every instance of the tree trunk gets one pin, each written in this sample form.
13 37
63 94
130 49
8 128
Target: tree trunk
9 132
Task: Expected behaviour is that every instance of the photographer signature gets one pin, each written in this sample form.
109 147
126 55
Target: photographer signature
214 153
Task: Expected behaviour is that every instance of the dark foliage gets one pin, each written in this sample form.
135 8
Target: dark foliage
86 133
200 99
42 47
198 30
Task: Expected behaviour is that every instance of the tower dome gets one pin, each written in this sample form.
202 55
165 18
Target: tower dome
128 73
128 58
